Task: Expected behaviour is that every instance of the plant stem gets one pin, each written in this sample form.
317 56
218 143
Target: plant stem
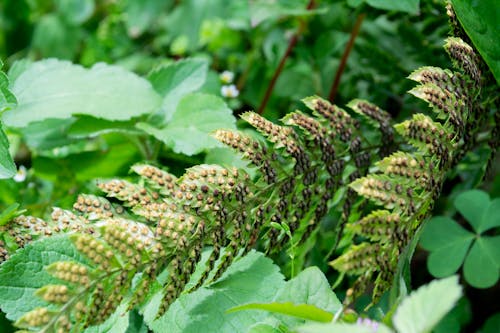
343 60
277 72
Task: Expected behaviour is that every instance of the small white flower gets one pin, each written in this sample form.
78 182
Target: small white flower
20 174
226 77
229 91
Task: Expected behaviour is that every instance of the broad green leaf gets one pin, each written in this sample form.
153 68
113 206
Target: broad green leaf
175 80
253 278
24 273
409 6
75 11
480 21
7 166
264 328
47 134
59 89
310 287
302 311
197 116
342 328
491 218
482 266
425 307
473 205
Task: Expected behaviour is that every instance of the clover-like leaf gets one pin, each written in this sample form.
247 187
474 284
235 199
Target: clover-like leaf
448 243
482 267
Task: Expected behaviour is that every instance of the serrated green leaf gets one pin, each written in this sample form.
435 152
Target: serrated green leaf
173 81
302 311
24 273
342 328
480 21
196 117
59 89
425 307
473 205
253 278
482 267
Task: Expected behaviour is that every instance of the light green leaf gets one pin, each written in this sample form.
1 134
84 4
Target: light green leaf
197 116
310 287
7 166
302 311
425 307
175 80
75 11
24 273
482 266
473 205
480 21
264 328
253 278
58 89
87 126
342 328
8 213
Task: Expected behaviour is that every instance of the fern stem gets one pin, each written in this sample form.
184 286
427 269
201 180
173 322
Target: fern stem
291 44
345 56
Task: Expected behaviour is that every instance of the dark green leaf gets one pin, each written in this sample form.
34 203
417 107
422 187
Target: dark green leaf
491 218
409 6
480 21
75 11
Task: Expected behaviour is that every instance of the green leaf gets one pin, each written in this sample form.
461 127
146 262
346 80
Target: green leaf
58 89
8 213
197 116
54 37
264 328
310 287
24 273
302 311
7 166
480 21
75 11
253 278
409 6
482 265
87 126
492 325
425 307
176 80
140 14
491 218
473 205
342 328
448 243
